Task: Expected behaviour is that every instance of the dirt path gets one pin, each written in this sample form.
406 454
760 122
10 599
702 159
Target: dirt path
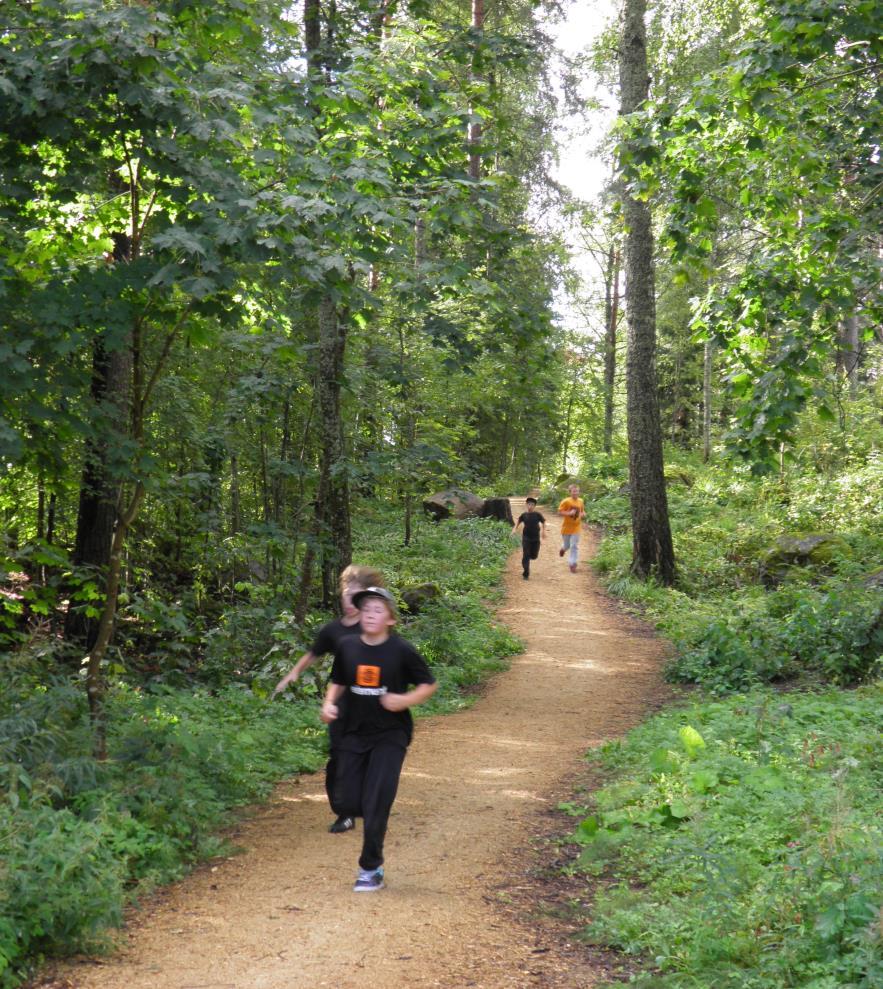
282 915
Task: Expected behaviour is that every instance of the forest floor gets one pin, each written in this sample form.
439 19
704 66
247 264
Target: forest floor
473 897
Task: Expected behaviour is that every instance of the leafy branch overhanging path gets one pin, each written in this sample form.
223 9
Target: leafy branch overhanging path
282 915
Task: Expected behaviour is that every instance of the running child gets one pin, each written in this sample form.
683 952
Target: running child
328 638
573 510
374 671
534 530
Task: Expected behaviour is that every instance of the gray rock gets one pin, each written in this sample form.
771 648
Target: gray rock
453 503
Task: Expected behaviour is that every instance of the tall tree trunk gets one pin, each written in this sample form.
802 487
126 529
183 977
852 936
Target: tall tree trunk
235 497
332 498
280 481
848 352
611 314
475 126
99 490
104 631
707 367
652 549
313 32
332 515
50 517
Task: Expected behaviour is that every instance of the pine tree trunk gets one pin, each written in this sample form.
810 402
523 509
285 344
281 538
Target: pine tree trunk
652 549
611 316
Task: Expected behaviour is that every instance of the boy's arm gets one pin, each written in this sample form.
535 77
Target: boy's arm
400 702
515 527
291 676
333 694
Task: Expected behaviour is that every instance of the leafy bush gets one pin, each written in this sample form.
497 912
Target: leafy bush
61 886
822 623
737 844
835 635
77 835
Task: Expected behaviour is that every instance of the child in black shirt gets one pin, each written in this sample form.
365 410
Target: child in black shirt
374 670
354 578
534 530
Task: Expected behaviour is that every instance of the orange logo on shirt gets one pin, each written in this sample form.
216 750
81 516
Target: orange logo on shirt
367 676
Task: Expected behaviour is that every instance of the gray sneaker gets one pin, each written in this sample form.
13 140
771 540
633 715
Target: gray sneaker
369 880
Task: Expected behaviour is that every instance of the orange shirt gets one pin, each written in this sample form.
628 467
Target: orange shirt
570 526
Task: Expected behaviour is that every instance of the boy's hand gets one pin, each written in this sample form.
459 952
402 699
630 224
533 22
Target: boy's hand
394 702
329 713
283 683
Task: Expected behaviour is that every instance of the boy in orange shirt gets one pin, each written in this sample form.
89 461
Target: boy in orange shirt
573 511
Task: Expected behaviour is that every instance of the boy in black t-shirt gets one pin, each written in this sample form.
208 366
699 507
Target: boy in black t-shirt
328 638
534 530
373 671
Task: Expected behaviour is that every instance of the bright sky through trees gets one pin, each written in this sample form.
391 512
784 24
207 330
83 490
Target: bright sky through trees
580 166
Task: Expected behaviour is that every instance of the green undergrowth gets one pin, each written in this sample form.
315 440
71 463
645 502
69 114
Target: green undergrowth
456 632
80 839
737 844
734 625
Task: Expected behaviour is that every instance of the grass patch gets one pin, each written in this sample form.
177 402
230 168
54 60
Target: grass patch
737 843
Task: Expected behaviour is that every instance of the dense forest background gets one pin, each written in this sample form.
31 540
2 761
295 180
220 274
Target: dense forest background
270 274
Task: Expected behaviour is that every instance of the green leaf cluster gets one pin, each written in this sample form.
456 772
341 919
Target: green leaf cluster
750 859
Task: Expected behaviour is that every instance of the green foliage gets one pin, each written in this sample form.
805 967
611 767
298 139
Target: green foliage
737 843
821 623
833 633
770 180
79 837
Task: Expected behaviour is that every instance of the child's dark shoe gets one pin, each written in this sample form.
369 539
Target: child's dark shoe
369 880
342 824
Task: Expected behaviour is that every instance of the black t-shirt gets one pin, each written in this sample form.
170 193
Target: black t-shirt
532 522
369 672
330 635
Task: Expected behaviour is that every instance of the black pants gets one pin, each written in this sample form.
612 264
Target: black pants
530 550
334 735
365 786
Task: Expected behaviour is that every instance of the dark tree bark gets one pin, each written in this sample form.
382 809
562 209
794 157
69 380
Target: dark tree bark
99 490
332 528
332 497
313 32
611 316
652 549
